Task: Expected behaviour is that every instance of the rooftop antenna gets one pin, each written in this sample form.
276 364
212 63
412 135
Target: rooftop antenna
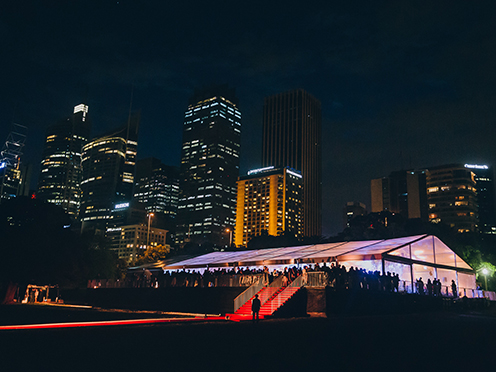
12 148
129 115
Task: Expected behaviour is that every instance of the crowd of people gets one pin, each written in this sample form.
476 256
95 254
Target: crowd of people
333 275
434 288
336 276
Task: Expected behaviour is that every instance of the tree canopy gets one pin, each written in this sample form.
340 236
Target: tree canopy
39 246
153 254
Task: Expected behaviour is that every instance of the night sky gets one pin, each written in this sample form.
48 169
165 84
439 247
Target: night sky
402 84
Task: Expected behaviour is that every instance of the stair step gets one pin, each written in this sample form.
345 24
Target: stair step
268 295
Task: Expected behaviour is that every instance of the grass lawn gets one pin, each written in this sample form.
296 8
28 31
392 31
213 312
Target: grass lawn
439 341
18 314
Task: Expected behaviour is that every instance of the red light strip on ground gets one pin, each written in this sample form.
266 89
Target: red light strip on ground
106 323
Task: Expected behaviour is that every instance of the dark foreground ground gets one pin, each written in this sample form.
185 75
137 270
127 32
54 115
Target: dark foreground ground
441 341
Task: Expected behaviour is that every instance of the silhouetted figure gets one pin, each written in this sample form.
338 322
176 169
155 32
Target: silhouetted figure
435 291
255 307
453 289
429 287
388 282
420 286
396 283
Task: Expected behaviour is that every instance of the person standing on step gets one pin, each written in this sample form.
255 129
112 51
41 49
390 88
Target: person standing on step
266 276
255 308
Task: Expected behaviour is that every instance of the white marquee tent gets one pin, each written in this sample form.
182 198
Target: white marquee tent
413 257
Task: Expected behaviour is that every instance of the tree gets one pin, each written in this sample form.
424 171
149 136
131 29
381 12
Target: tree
264 240
154 254
39 247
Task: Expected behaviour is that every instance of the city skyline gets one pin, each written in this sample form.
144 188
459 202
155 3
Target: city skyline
401 86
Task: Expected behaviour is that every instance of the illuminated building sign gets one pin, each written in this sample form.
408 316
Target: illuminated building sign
121 205
475 166
294 173
260 170
83 108
3 165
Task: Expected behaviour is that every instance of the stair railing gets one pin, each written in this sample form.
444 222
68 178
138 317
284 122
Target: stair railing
285 294
255 288
316 279
248 293
271 289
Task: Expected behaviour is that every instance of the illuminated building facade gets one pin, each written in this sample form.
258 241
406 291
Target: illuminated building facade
26 174
269 199
127 213
484 183
127 241
209 167
157 188
403 192
61 170
452 197
352 210
108 174
12 176
10 181
292 137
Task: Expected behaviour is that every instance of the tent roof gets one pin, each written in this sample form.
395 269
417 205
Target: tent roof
415 249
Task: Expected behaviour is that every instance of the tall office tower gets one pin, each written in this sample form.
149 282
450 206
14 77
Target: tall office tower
157 188
269 199
108 175
452 197
352 210
60 177
26 174
10 162
484 183
403 192
209 167
292 137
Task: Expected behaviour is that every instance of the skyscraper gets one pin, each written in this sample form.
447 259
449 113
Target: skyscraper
352 210
269 199
157 188
61 171
108 175
402 192
292 137
484 183
11 175
452 197
209 167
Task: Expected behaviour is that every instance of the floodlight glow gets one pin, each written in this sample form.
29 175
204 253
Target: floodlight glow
485 271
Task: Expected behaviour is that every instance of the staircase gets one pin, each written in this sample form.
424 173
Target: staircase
272 298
